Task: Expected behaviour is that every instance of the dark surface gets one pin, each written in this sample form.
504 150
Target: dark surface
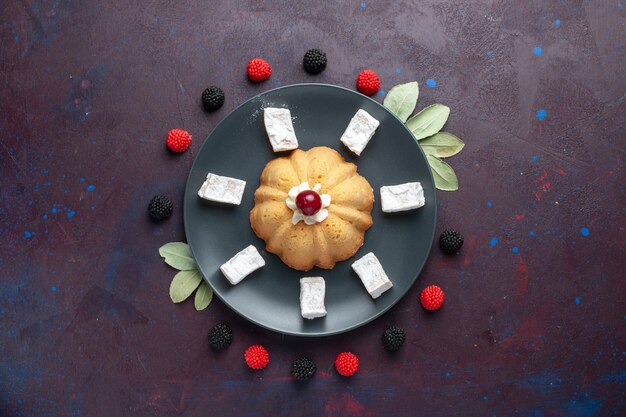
89 90
239 148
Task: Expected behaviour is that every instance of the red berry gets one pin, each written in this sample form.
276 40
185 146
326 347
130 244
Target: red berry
368 82
256 357
178 140
432 297
259 70
309 202
346 363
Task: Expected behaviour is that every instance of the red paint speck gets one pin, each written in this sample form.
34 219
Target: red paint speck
471 246
345 405
520 217
542 177
521 276
544 186
560 171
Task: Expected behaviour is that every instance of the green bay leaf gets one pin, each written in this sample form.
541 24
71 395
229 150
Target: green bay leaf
442 145
183 284
445 178
203 298
177 255
401 99
428 121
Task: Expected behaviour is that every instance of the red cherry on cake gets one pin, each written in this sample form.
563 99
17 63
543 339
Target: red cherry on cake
309 202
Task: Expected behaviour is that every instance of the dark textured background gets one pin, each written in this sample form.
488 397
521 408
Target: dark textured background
533 323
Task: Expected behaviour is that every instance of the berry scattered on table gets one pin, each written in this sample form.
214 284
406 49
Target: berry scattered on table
393 338
160 207
314 61
450 241
256 357
368 82
259 70
178 140
346 363
303 368
432 298
212 98
220 336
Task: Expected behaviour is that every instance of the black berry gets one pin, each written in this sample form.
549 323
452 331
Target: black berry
160 207
393 338
220 336
303 368
212 98
450 241
314 61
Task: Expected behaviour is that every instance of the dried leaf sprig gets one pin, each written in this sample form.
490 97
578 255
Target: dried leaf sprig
189 278
426 127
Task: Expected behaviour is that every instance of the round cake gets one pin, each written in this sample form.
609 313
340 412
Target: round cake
312 208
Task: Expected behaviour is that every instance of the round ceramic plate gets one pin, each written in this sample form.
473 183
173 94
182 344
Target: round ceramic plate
238 147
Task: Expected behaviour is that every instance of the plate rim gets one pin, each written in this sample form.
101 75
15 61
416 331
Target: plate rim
252 319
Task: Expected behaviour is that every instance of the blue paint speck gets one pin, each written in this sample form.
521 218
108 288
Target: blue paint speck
82 180
535 158
515 249
557 22
532 233
16 36
537 50
489 204
381 93
54 289
45 216
173 32
27 235
577 301
448 374
488 53
91 187
485 398
30 202
494 241
54 210
431 83
363 5
398 71
620 5
541 114
584 232
71 214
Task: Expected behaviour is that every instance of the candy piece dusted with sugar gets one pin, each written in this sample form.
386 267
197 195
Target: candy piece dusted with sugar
371 272
402 197
222 189
280 129
312 292
242 264
359 132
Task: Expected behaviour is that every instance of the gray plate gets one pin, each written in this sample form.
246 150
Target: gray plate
238 147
